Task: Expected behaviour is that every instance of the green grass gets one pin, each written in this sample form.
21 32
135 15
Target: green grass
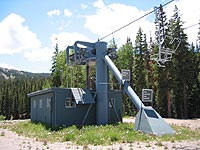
98 135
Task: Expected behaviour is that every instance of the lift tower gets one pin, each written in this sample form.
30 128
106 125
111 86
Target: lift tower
147 119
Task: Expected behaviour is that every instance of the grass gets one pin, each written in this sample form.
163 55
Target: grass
98 135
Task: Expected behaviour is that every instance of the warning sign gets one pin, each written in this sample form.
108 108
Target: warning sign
126 75
147 95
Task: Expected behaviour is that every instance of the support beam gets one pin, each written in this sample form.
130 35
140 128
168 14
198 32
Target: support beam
147 119
127 88
101 88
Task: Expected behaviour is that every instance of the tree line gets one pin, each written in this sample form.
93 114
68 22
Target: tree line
14 102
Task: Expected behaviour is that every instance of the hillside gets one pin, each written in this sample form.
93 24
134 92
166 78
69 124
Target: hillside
16 74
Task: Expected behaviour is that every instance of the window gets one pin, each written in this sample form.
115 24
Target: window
34 103
112 100
40 104
48 102
70 103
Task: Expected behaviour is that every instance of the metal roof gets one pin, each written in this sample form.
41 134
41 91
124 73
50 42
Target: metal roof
81 96
40 92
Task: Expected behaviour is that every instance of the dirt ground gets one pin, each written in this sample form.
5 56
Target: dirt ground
11 141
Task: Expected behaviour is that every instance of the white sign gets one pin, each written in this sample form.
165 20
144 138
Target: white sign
147 95
126 75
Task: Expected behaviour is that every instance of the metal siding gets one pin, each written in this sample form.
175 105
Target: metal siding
33 110
71 116
47 111
117 105
60 96
53 109
59 115
41 114
75 116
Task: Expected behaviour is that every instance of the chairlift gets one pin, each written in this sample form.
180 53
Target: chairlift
164 54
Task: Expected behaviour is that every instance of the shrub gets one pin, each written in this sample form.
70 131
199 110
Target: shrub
2 117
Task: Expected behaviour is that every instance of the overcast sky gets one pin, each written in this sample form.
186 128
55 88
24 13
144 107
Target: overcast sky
29 28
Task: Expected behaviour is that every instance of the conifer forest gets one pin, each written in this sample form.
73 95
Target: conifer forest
176 86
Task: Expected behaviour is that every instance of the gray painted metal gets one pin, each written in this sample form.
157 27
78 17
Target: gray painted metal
56 113
95 50
147 118
149 121
130 92
82 96
101 89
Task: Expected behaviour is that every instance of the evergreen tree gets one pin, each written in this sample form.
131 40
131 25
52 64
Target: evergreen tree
194 103
182 65
112 80
125 61
162 75
140 71
193 84
55 71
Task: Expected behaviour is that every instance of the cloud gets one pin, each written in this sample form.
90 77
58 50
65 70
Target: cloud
65 39
19 39
15 37
83 6
109 18
39 54
114 16
4 65
98 4
54 12
67 13
190 14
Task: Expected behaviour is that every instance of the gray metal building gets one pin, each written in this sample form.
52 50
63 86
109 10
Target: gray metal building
71 106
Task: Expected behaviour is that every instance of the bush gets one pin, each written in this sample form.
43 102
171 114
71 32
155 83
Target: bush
2 117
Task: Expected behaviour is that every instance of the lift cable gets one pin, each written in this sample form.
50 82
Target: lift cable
133 21
191 25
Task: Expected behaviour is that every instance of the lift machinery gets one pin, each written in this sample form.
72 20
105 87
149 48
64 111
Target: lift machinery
147 119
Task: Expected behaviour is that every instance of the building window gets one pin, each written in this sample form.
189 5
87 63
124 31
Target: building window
48 102
40 104
34 103
70 103
112 100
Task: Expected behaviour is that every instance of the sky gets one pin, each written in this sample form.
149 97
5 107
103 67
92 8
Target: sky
29 29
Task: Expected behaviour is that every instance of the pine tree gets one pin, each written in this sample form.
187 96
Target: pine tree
194 89
55 72
140 71
125 61
182 66
193 84
162 75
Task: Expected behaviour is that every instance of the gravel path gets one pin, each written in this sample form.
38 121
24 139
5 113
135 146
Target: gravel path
11 141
